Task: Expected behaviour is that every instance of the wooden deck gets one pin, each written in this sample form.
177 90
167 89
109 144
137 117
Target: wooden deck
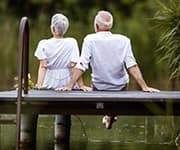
93 103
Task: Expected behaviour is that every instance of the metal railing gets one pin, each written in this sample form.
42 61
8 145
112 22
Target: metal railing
23 60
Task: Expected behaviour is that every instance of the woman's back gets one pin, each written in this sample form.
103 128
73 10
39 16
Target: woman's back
59 53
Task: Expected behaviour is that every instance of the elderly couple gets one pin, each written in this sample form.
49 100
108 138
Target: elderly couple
110 56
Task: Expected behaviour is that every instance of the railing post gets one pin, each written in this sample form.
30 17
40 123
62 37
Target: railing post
22 72
26 56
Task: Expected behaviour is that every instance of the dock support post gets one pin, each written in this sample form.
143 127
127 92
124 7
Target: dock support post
62 132
28 130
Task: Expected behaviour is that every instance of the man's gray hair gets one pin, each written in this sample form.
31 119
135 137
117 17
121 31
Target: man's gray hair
60 23
104 19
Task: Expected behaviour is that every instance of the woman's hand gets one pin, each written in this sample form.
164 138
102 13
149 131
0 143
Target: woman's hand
39 86
66 88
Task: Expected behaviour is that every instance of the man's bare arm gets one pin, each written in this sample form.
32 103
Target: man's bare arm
80 81
136 73
77 73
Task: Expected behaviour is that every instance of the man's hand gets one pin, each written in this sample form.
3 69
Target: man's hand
150 89
85 88
68 88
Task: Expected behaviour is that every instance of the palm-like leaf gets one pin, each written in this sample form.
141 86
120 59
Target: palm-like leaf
167 21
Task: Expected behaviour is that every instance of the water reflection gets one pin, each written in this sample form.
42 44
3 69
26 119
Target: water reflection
60 147
86 145
127 134
118 146
27 146
177 141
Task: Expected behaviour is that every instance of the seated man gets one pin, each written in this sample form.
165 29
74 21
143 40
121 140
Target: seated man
110 56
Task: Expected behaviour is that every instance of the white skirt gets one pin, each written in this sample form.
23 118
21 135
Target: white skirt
56 78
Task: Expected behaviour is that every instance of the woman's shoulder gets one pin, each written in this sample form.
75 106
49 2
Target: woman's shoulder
71 39
43 41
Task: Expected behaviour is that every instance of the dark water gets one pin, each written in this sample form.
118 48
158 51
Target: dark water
80 145
87 133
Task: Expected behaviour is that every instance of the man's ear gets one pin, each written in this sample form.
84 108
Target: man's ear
97 27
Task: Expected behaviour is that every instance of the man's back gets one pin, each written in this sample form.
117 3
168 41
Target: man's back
109 53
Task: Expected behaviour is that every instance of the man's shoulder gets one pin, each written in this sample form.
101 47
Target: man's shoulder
93 36
121 37
90 36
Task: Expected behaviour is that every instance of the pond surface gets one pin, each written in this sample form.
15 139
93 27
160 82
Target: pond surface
87 133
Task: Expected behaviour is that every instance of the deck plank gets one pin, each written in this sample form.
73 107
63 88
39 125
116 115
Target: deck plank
95 102
46 95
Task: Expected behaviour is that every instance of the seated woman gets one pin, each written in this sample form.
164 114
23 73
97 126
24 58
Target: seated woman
58 56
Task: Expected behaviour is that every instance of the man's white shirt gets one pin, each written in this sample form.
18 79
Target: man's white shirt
110 55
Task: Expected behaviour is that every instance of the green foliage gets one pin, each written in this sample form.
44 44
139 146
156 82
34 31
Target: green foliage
167 21
130 19
31 84
41 1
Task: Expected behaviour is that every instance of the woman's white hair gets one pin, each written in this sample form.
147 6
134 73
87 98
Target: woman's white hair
59 23
104 19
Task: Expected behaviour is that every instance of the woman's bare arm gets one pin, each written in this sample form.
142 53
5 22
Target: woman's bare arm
41 73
